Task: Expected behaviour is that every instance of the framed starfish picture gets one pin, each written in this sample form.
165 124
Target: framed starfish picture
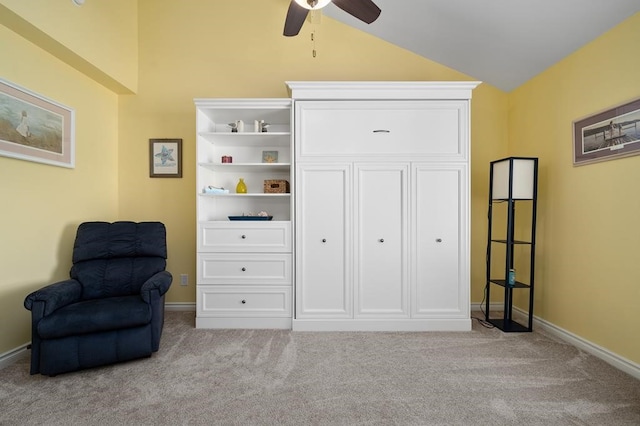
165 158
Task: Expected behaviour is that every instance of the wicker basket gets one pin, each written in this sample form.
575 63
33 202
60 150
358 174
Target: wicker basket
276 186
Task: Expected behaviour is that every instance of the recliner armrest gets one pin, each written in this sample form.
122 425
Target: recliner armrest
55 296
158 284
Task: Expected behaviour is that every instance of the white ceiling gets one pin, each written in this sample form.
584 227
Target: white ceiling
501 42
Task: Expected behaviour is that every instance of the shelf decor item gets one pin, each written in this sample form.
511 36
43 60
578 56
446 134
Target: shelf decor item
512 180
241 187
276 186
269 156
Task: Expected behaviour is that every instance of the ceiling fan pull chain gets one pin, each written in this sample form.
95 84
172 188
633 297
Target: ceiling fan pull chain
313 41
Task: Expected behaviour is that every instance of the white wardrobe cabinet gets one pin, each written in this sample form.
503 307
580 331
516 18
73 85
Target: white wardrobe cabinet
382 205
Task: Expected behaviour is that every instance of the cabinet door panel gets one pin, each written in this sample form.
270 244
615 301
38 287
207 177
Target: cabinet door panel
322 226
440 253
381 241
385 129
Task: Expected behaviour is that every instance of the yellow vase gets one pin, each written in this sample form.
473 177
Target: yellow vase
241 187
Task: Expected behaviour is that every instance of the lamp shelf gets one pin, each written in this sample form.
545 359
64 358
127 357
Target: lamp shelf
511 242
508 325
503 283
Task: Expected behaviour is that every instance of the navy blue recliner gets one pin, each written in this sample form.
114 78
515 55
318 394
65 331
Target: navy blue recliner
112 307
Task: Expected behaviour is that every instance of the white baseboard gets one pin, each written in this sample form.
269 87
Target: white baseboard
606 355
180 306
13 355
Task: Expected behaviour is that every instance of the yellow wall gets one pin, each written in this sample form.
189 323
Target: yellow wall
100 38
216 49
42 204
588 268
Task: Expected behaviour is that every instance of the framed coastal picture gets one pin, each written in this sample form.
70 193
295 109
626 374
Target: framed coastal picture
165 158
607 135
35 128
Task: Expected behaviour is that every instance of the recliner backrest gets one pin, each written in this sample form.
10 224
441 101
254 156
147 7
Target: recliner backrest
115 259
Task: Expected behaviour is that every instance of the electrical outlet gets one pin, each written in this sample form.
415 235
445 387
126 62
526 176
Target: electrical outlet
184 279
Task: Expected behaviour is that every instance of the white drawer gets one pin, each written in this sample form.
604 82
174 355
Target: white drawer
389 128
244 301
253 268
244 236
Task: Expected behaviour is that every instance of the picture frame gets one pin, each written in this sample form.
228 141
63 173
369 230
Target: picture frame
165 158
269 156
35 128
607 135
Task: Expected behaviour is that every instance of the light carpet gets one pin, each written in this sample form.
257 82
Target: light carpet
272 377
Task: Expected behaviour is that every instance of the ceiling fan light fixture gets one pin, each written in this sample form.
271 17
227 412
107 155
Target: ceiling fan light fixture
313 4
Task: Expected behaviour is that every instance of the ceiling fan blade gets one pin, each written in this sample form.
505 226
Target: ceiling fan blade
295 18
364 10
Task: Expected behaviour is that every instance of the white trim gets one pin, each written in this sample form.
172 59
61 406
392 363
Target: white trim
432 324
354 90
606 355
250 323
13 355
180 306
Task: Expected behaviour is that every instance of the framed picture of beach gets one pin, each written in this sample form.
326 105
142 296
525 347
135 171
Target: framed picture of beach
607 135
35 128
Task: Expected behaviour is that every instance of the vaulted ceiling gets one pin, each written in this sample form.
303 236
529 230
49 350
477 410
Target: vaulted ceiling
501 42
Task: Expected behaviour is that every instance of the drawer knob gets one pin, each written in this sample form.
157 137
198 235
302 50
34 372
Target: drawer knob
438 240
324 240
244 237
244 269
381 240
244 301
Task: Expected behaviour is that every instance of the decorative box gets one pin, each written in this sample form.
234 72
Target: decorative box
276 186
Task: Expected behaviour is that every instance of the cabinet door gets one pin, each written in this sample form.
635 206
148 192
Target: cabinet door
382 128
440 228
323 287
380 227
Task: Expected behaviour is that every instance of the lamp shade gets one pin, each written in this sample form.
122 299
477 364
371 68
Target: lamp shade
514 178
313 4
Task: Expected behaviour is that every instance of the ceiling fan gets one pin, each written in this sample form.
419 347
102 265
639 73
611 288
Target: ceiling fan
364 10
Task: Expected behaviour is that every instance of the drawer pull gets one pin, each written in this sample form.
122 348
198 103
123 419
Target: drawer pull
244 302
244 269
382 131
438 240
324 240
381 240
244 237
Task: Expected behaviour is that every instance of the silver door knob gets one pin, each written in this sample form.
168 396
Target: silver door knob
381 240
244 237
438 240
244 302
244 269
324 240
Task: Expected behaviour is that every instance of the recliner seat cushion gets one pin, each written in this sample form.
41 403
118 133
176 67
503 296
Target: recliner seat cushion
95 315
